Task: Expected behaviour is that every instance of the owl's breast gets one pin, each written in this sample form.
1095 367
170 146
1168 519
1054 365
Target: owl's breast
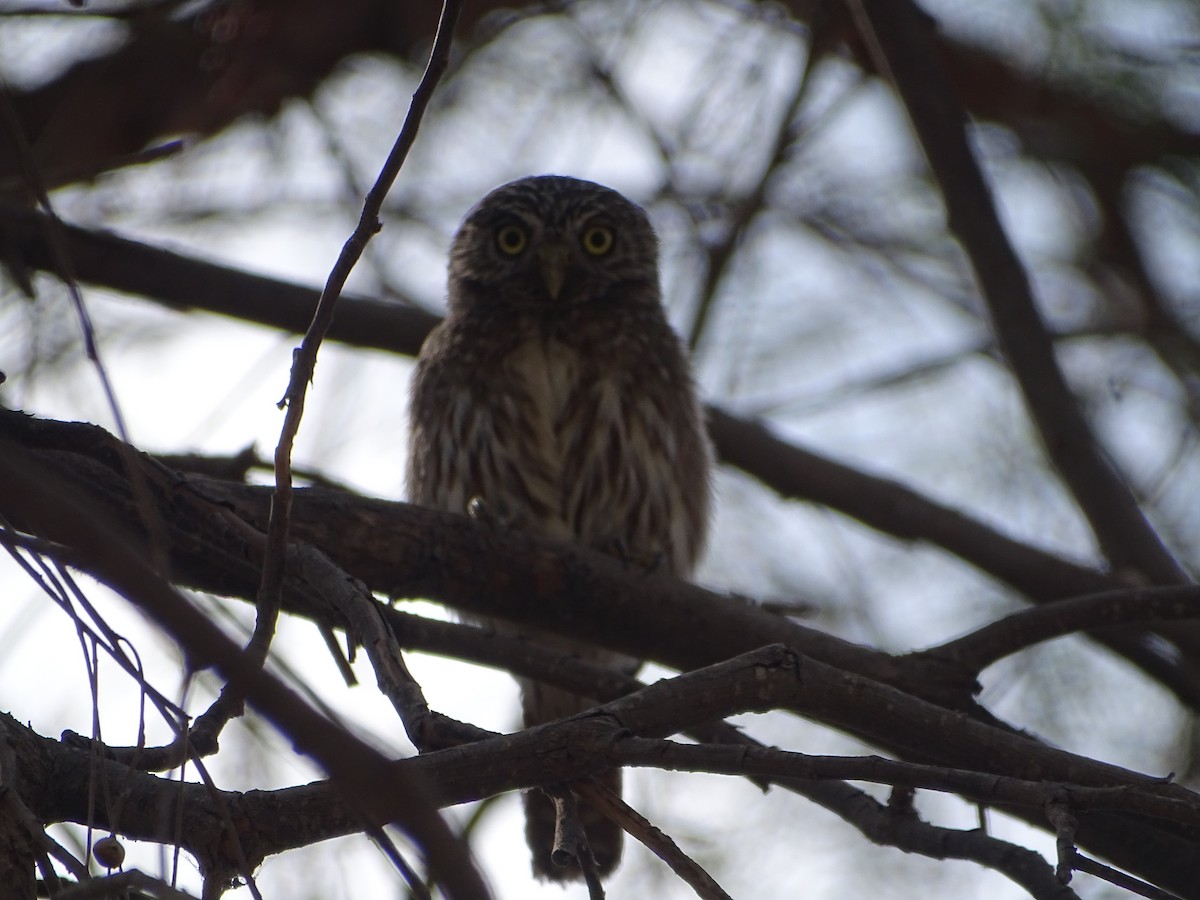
547 373
564 404
603 448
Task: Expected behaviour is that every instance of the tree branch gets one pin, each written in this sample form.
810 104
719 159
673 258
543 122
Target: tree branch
900 37
654 838
499 572
182 282
390 669
1013 633
772 677
31 494
981 787
403 550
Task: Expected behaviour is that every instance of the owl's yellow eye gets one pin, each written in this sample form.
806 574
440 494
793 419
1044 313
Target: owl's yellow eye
598 240
511 239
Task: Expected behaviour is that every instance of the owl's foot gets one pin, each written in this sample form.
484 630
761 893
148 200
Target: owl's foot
479 510
647 562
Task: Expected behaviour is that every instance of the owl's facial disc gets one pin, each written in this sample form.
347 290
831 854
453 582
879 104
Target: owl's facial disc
553 259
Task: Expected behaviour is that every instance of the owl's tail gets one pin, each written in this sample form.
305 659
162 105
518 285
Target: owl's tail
541 704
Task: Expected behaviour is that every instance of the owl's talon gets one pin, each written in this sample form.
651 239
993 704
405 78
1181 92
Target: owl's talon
618 549
479 510
652 565
648 562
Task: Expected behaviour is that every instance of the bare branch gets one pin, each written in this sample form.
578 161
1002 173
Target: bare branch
22 837
389 665
570 839
184 282
1120 879
900 37
773 677
1099 612
653 837
981 787
27 491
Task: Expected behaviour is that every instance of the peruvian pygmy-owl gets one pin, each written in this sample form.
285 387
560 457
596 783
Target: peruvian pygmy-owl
556 393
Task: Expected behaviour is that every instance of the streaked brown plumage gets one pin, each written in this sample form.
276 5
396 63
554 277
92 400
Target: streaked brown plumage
556 392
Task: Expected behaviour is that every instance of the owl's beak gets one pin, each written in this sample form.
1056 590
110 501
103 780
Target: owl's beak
552 263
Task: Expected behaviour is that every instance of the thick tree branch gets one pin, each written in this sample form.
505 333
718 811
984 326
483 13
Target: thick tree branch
891 508
403 550
584 745
29 493
183 282
198 73
420 552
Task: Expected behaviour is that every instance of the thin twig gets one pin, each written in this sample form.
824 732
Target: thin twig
366 625
720 254
1120 879
570 839
304 359
312 574
1141 606
102 635
982 787
1064 823
417 889
616 809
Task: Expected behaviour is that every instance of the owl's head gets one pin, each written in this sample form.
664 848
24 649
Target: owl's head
552 241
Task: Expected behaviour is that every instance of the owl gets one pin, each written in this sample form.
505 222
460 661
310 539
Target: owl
557 396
